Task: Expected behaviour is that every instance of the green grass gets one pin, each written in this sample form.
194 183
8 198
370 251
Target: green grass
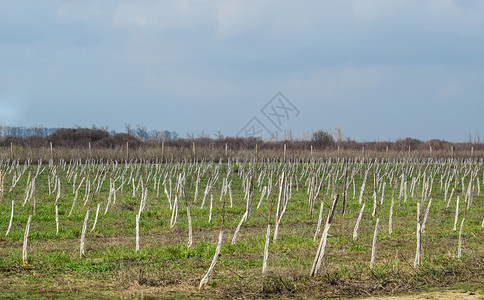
165 266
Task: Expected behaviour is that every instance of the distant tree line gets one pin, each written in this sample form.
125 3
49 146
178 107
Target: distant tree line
22 131
140 137
143 133
39 135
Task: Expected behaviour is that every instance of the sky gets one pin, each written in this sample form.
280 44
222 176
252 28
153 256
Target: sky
377 69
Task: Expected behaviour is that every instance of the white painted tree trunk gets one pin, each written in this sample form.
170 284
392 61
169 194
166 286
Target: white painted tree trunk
82 249
196 187
266 249
456 214
416 262
190 235
320 220
363 187
230 195
174 212
450 198
137 232
322 244
390 218
320 253
374 203
56 219
459 248
95 219
26 235
74 202
426 214
357 225
75 197
373 245
109 197
11 219
262 196
238 227
211 205
205 193
205 278
58 190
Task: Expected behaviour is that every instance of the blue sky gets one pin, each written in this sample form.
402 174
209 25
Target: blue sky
377 69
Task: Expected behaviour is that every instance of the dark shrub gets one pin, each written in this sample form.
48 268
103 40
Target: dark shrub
11 139
322 138
76 137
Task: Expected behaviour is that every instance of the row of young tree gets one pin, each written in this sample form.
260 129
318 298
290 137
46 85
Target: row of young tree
320 140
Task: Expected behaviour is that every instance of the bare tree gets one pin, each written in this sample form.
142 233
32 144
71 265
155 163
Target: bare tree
162 135
129 129
203 134
218 134
339 134
141 132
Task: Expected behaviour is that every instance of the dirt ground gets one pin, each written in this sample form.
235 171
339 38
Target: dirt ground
457 295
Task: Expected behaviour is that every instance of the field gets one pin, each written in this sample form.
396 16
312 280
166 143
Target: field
105 204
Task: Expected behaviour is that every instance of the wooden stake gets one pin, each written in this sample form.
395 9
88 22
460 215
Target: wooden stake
127 151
